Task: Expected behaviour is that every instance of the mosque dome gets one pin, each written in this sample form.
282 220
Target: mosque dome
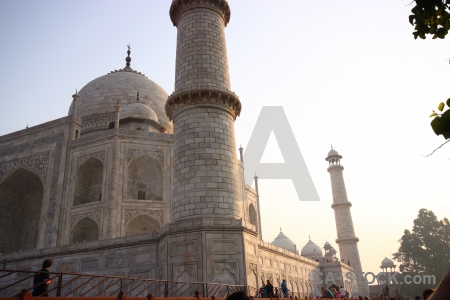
284 242
311 250
327 245
138 110
387 263
102 94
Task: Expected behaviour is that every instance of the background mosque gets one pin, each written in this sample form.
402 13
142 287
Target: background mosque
138 183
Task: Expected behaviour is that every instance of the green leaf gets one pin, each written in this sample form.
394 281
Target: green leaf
448 102
411 19
441 106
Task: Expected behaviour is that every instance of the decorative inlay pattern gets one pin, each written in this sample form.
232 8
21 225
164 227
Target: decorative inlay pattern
132 153
122 132
131 213
94 215
100 155
98 121
38 162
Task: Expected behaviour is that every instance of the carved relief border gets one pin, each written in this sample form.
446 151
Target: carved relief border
38 162
131 213
157 155
94 215
100 155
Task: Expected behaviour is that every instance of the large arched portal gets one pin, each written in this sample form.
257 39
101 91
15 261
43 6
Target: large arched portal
88 183
142 224
21 198
145 179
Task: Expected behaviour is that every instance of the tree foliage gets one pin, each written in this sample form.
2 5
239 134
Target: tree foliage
425 249
430 17
441 121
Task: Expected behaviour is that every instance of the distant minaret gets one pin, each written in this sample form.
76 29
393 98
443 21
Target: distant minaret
346 239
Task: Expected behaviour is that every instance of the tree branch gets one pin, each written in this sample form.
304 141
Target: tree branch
437 148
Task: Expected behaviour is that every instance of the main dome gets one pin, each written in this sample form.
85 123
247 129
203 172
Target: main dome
101 95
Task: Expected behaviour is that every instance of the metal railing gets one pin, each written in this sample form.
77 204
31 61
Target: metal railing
12 282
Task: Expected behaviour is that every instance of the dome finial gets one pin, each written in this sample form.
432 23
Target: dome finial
128 59
281 230
331 146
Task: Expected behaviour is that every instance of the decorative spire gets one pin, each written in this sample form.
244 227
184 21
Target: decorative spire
128 59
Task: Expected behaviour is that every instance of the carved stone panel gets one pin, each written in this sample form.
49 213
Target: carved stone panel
89 264
132 213
100 155
226 272
157 155
185 272
224 246
38 162
94 215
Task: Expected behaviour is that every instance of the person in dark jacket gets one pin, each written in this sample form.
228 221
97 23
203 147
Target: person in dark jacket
42 279
269 289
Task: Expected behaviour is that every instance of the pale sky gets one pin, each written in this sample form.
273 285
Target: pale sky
347 73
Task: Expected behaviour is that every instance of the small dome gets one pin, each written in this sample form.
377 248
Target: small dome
386 263
327 245
284 242
138 110
333 152
311 250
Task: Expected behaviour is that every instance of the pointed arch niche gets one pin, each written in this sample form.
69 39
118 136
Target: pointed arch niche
88 182
253 216
85 230
21 197
142 224
145 179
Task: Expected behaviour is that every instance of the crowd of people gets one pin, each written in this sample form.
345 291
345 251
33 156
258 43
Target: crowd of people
41 282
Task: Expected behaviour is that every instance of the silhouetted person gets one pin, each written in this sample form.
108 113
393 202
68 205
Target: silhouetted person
427 293
442 292
42 279
238 296
269 289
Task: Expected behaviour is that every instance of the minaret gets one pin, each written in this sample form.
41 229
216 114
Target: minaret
346 239
205 179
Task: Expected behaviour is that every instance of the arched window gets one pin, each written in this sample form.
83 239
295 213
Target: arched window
88 182
142 224
85 230
145 180
21 198
253 216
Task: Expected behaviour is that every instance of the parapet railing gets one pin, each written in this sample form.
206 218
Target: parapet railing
13 282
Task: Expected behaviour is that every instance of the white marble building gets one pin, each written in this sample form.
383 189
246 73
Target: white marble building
135 182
